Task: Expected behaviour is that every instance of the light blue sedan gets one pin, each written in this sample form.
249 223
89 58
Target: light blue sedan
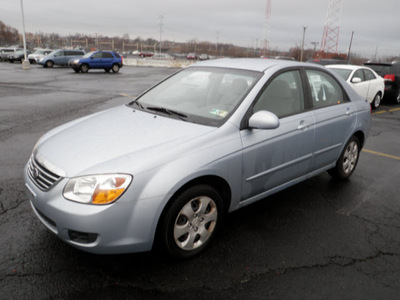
219 135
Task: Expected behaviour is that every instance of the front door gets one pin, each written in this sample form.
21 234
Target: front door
272 158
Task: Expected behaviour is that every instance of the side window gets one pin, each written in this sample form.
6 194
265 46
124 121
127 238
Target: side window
283 96
369 75
359 74
107 55
325 91
97 55
59 53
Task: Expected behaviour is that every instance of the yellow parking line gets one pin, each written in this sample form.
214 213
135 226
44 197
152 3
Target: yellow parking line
385 111
127 95
381 154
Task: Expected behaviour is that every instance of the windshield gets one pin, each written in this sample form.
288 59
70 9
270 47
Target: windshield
344 73
87 55
200 95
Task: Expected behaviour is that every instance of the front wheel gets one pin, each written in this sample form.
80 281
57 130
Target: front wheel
49 64
191 221
84 68
115 68
377 101
347 161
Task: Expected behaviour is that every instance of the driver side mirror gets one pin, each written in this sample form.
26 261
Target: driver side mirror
264 120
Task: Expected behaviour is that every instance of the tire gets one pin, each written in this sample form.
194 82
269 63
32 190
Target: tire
84 68
191 221
347 161
49 64
76 70
115 68
397 98
377 101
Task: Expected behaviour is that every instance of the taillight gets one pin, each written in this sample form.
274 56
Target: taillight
389 77
122 60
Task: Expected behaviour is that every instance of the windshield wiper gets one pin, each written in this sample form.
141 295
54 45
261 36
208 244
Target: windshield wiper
137 103
167 111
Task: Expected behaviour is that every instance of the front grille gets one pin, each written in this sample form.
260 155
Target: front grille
40 176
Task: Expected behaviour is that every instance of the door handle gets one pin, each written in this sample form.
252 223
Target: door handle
303 125
348 111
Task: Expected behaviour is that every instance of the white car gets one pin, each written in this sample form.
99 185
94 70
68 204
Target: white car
363 80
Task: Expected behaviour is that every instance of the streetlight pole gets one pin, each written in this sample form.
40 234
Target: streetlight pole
302 43
25 63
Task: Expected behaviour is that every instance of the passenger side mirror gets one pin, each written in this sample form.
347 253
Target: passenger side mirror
264 120
356 80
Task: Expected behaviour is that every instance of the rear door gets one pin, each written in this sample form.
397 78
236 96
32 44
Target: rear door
334 117
106 60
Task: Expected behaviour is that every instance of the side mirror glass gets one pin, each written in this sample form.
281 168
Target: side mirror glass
264 120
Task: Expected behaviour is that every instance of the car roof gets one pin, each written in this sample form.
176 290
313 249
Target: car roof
349 67
252 64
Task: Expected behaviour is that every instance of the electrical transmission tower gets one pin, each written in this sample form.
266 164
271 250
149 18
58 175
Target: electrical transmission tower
265 38
330 37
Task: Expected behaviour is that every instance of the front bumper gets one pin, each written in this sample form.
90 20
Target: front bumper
121 227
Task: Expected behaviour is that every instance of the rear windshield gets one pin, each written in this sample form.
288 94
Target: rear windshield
382 70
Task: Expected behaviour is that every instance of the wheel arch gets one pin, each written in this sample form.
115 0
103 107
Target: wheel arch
218 183
361 138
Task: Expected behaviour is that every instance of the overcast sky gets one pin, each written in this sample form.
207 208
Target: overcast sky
376 24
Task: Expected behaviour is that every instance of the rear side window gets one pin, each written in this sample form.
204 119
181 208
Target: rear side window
117 55
325 91
107 55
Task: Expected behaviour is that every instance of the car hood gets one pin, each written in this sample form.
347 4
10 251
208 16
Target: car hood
115 140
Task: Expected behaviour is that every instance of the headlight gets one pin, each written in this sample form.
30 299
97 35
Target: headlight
97 189
76 61
41 59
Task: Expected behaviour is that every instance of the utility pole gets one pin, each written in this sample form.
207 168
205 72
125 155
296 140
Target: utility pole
161 17
25 63
351 41
302 43
315 47
217 44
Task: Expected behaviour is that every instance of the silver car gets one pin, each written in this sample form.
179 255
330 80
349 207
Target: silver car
214 137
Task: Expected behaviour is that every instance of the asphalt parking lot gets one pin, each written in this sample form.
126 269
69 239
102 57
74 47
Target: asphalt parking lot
320 239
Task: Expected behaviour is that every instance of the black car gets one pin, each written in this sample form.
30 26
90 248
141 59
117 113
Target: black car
17 56
391 73
328 61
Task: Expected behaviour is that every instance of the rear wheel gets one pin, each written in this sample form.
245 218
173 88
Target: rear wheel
397 98
84 68
191 221
347 161
377 101
115 68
